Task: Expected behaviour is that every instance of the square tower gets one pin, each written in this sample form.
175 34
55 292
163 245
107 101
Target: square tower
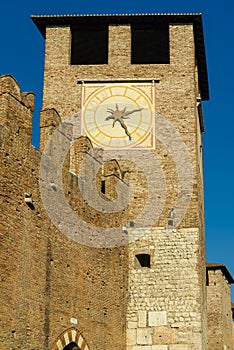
134 86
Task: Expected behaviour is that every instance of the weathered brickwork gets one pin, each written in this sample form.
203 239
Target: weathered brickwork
176 95
48 283
219 309
57 291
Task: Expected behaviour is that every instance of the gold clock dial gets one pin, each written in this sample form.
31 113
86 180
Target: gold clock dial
117 116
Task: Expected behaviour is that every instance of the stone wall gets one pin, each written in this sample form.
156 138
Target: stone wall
164 309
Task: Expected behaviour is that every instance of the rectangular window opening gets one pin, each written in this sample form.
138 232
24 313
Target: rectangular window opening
89 45
142 260
150 44
103 186
207 278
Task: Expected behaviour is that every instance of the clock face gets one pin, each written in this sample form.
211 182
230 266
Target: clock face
117 116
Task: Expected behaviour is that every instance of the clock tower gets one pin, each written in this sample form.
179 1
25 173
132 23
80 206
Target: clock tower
124 94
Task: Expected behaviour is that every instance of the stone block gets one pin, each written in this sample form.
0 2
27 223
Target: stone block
159 347
73 320
164 335
132 324
178 347
142 318
144 336
131 337
157 318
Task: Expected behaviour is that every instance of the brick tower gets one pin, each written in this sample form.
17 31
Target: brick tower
154 67
115 250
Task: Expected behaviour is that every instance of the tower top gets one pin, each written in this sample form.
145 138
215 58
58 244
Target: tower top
42 21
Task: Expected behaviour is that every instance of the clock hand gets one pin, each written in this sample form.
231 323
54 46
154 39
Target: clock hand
110 117
124 126
125 113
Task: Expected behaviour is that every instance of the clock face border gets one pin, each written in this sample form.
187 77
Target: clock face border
136 126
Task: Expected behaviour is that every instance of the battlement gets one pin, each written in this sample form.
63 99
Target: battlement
9 85
16 109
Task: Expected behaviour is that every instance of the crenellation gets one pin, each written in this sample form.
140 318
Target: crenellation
49 121
10 85
16 117
120 46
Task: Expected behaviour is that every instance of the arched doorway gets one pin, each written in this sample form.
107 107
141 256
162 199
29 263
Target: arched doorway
70 339
71 346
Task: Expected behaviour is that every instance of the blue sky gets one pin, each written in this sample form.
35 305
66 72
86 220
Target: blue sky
22 49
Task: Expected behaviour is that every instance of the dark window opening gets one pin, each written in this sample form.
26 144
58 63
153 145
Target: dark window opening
143 260
72 346
103 186
150 44
89 45
207 278
170 223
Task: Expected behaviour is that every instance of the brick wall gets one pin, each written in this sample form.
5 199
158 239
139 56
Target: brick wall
176 95
48 282
219 309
